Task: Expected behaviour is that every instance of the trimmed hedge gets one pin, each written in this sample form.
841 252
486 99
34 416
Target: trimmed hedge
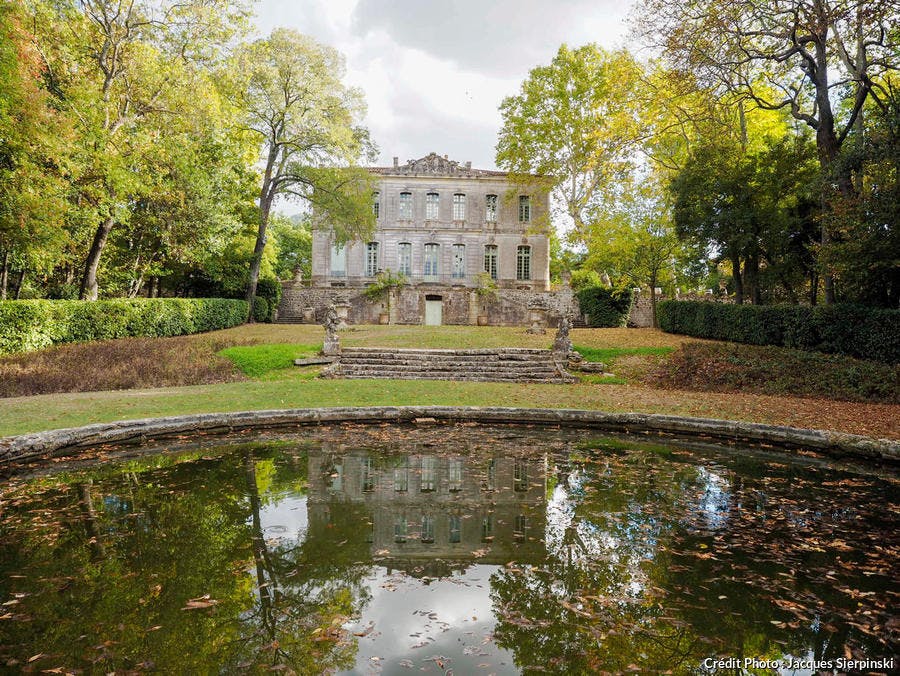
605 308
862 332
34 324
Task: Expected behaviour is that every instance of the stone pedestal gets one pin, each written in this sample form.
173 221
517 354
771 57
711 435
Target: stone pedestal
538 319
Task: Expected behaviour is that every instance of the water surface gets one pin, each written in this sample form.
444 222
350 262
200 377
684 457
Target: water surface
445 548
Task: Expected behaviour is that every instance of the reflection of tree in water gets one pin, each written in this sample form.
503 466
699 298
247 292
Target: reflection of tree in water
659 563
306 590
107 565
592 605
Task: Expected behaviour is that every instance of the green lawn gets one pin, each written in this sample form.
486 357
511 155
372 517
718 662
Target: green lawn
266 353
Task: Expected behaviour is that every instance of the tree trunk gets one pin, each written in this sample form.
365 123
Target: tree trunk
89 281
17 289
751 268
813 287
4 275
736 276
266 197
653 319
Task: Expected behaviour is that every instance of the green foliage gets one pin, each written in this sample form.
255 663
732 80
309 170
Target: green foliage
866 333
258 360
730 367
262 310
485 286
293 240
385 282
585 278
35 324
270 289
605 307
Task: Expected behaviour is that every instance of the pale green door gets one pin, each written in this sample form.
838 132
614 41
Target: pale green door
433 311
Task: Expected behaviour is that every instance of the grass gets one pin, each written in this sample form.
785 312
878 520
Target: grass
207 373
608 355
258 360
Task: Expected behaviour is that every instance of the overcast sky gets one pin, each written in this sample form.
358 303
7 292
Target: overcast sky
434 73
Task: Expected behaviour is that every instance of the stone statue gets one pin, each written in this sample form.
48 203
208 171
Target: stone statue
562 343
332 345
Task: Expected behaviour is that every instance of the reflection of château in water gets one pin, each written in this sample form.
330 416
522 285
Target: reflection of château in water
431 513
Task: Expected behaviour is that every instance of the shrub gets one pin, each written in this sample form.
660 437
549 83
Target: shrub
262 310
866 333
270 289
34 324
584 279
605 307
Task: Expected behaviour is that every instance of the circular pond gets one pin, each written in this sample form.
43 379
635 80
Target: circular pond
447 547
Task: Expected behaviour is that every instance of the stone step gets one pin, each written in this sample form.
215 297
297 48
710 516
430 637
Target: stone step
530 373
289 320
451 363
509 352
477 378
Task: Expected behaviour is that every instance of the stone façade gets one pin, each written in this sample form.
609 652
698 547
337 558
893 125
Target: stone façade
441 244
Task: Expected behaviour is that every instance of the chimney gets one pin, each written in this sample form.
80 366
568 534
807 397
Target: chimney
396 161
469 165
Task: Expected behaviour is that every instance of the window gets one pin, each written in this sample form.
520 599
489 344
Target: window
490 260
368 475
405 213
455 481
431 261
338 260
376 205
371 259
404 258
487 528
455 529
490 208
459 261
459 207
401 476
520 476
520 530
400 527
490 476
523 263
524 208
431 206
427 529
429 473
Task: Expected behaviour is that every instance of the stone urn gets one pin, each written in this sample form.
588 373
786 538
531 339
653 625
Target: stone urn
342 310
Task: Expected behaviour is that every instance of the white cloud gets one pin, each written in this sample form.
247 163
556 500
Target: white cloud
434 73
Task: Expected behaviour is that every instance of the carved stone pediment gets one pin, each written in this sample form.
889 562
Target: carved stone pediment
433 165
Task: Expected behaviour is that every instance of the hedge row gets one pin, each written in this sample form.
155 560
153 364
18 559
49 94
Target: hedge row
605 307
34 324
862 332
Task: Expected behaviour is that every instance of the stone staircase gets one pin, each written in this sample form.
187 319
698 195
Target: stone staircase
516 365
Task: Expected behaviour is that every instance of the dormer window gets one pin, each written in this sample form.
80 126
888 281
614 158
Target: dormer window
405 212
431 206
459 207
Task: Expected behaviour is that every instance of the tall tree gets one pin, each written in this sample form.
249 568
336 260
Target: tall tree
806 56
575 121
308 125
125 70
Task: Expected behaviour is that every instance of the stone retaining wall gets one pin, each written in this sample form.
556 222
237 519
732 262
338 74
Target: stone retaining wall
461 305
44 445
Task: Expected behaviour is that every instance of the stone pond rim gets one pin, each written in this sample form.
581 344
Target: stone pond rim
52 443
